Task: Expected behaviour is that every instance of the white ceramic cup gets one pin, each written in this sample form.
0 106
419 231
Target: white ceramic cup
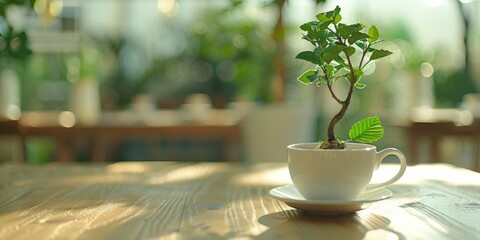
338 174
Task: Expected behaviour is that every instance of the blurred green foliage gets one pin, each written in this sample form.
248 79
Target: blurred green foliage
238 51
451 86
229 54
13 42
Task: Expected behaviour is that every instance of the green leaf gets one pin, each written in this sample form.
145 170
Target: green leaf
379 53
341 61
338 18
310 57
330 71
360 85
309 26
336 11
319 35
367 130
358 73
349 50
361 45
338 68
374 34
308 77
346 30
307 38
357 36
306 27
378 41
332 51
325 24
322 17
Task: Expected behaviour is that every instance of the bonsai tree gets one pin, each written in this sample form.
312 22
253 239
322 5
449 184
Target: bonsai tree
341 52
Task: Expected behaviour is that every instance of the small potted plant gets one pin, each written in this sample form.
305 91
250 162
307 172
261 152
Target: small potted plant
335 45
336 169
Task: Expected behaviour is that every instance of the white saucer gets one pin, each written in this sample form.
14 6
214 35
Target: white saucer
290 195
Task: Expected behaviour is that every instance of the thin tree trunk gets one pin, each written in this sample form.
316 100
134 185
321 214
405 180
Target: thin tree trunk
331 126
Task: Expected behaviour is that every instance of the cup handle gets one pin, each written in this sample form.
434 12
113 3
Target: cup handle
379 158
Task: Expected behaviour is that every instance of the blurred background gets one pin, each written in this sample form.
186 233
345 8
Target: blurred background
216 80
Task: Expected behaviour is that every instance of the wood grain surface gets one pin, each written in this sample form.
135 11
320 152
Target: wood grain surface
169 200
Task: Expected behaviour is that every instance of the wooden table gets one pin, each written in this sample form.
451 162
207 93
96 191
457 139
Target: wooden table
113 127
169 200
9 127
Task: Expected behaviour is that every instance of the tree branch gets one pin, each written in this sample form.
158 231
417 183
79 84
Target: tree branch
329 85
363 56
334 96
352 72
331 126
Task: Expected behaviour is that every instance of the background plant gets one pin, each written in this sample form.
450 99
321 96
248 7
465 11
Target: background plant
13 42
336 47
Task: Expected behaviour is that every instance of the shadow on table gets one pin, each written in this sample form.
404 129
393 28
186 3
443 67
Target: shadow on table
359 225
